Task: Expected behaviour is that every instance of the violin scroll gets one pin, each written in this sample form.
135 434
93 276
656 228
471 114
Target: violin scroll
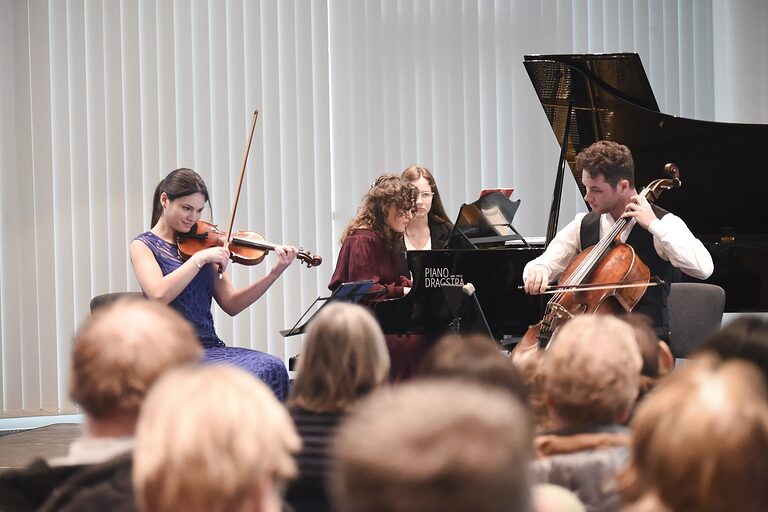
312 260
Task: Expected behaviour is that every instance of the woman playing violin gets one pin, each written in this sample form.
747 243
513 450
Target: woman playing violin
662 241
189 286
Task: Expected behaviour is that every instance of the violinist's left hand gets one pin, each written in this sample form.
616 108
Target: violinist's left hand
640 209
285 256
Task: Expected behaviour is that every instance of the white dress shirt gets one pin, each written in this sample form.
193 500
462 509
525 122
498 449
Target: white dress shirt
672 240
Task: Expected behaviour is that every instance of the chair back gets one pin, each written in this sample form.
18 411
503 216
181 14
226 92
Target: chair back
106 299
695 312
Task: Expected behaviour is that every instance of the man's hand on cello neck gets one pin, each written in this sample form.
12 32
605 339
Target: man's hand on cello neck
639 208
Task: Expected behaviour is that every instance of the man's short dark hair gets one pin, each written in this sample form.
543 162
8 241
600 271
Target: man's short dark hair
611 160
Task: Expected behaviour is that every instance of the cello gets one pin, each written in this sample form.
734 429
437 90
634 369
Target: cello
606 278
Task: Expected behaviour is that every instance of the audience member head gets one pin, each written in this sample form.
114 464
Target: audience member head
531 365
474 358
743 338
386 209
343 358
423 180
212 438
119 352
657 358
433 445
554 498
593 371
647 342
700 441
608 159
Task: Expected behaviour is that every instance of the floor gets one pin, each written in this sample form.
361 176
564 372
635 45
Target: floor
20 448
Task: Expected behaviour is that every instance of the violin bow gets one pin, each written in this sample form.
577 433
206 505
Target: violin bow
240 181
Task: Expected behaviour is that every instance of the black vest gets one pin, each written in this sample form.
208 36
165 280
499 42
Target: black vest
654 301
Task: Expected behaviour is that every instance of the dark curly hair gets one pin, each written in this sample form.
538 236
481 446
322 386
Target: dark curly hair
610 159
388 190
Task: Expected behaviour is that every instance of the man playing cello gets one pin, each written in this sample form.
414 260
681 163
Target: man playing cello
663 244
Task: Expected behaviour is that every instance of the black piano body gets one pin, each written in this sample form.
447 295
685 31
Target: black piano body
721 164
495 273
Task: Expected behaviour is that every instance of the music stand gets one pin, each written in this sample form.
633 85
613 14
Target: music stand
464 305
486 221
352 292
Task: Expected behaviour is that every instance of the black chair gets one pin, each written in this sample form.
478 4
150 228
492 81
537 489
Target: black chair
695 312
106 299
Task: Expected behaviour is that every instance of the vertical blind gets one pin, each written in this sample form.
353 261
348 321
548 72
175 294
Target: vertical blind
442 84
100 99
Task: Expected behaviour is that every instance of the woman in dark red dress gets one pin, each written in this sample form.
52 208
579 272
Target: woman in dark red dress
372 247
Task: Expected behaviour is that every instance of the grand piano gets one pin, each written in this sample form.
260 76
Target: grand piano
587 98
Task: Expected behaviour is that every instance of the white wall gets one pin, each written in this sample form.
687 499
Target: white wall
98 100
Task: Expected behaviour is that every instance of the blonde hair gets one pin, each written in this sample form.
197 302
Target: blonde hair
344 357
433 445
211 438
121 350
593 370
388 190
700 440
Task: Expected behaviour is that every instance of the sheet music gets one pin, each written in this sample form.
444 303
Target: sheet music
497 219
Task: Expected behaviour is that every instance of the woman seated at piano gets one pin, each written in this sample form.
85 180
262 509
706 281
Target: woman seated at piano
430 227
372 248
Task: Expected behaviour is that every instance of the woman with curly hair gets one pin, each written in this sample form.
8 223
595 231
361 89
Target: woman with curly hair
372 248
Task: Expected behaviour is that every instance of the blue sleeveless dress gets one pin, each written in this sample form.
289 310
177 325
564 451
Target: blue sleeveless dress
194 304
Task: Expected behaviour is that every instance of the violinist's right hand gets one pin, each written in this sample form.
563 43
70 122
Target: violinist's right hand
219 256
537 280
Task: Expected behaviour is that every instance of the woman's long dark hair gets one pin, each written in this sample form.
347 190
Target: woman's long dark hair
179 183
437 212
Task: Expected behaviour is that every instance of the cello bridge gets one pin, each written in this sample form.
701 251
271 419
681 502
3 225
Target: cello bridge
560 312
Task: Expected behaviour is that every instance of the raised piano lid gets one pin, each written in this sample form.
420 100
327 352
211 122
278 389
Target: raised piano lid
721 164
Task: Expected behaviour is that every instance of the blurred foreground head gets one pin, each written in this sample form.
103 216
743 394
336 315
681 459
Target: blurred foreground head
434 445
474 358
343 358
212 438
121 350
700 440
593 371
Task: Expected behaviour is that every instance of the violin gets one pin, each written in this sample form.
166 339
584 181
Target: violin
606 278
246 247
